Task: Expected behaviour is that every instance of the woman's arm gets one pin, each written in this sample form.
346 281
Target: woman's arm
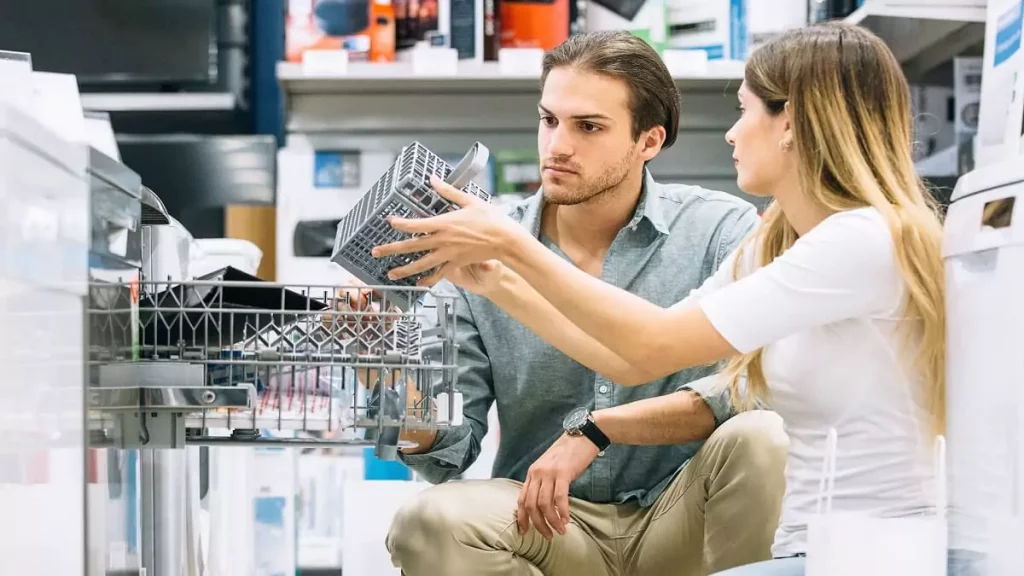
521 301
640 333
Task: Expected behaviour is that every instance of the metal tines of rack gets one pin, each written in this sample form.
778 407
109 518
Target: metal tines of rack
231 360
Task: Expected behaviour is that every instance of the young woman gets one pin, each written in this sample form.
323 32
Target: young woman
832 311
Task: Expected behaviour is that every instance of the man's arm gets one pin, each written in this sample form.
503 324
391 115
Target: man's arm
442 455
676 418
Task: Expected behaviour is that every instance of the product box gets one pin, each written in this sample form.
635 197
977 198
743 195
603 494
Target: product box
534 23
769 18
365 28
648 22
718 27
415 21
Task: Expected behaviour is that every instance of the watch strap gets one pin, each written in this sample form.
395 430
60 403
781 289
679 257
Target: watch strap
591 431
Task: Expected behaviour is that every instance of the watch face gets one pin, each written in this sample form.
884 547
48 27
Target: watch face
575 419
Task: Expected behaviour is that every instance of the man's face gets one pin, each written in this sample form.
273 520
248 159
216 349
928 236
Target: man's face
585 137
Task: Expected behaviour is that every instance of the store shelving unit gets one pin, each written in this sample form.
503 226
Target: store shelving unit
159 102
386 106
482 77
925 38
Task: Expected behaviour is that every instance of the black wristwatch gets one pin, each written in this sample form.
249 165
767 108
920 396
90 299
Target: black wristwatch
580 422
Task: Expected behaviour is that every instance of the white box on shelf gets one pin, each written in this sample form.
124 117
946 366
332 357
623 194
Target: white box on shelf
685 63
521 61
435 61
769 18
718 27
325 62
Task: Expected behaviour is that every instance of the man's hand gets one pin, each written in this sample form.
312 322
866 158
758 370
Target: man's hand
544 497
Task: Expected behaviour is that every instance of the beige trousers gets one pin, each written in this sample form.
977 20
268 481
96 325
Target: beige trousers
720 512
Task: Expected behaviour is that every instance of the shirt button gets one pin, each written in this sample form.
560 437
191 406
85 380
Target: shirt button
603 389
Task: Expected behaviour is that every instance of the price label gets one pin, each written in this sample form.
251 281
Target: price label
521 61
325 62
683 63
435 61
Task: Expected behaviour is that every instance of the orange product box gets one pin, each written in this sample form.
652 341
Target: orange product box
534 23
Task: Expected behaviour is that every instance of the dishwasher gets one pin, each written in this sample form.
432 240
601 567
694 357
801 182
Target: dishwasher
178 363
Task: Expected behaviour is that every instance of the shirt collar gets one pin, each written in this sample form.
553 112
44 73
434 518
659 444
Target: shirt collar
648 207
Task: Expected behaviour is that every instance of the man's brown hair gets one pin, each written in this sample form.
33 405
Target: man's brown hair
654 99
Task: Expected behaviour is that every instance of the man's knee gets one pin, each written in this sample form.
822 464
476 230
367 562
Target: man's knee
754 440
442 519
419 525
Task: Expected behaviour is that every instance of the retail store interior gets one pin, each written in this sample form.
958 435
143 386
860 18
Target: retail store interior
176 176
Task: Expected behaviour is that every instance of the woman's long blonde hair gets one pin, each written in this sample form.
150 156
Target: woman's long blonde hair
850 112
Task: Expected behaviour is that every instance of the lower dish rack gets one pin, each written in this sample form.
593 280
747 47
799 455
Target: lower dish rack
216 361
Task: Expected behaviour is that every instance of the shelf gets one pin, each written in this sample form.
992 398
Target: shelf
145 102
923 37
471 77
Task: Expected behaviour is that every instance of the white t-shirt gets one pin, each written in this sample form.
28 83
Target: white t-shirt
826 312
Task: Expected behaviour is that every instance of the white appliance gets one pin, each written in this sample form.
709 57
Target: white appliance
315 188
44 244
984 262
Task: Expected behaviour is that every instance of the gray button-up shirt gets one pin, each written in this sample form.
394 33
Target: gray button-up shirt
677 238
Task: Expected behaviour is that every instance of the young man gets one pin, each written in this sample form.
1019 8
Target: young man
658 479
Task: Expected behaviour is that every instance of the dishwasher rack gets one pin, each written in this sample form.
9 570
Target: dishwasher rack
237 361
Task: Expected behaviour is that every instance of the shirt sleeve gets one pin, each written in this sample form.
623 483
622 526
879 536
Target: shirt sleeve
732 233
456 449
843 268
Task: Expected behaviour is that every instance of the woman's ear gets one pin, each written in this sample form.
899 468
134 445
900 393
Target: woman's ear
787 126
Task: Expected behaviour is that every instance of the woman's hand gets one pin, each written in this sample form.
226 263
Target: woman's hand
475 233
481 278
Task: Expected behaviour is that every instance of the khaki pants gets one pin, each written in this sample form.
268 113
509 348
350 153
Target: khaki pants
720 512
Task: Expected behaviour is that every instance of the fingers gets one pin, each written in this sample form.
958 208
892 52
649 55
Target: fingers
409 246
546 506
436 276
562 501
428 262
418 225
522 514
533 509
451 193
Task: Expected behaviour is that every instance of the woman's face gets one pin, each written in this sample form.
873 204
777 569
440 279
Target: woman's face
762 144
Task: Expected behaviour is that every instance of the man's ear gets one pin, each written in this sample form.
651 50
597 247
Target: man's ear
652 141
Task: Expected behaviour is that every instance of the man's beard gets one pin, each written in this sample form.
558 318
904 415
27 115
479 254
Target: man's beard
591 189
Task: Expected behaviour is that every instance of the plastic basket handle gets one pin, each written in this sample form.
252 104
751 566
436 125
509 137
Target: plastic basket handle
471 164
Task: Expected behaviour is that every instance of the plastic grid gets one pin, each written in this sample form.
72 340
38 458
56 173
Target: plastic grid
403 191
